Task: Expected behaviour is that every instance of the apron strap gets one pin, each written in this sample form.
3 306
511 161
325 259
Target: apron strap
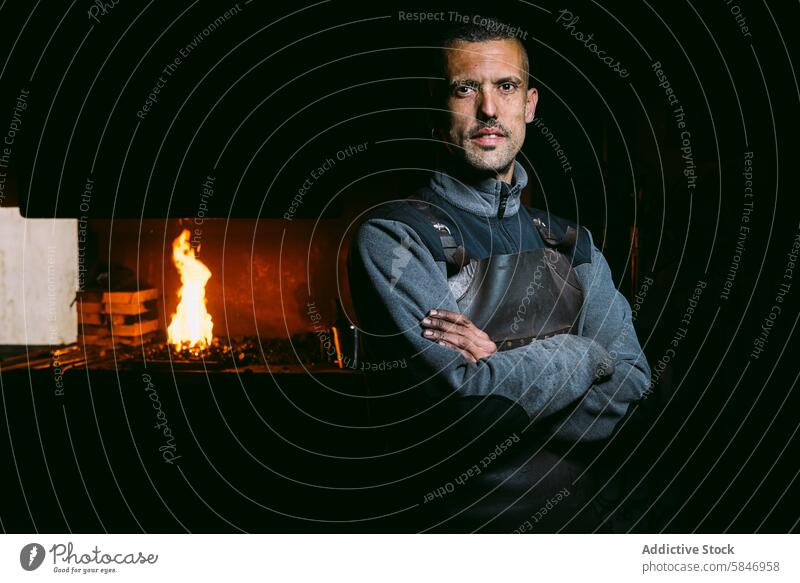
454 253
564 244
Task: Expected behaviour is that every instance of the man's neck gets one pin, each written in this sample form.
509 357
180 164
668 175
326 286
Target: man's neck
476 191
469 173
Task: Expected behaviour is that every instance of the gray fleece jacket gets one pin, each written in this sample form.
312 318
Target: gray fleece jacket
591 377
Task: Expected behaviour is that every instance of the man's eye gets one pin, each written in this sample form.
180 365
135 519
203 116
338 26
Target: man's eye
507 87
464 89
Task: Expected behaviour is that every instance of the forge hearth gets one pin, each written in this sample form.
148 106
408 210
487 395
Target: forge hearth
263 278
220 354
236 353
300 353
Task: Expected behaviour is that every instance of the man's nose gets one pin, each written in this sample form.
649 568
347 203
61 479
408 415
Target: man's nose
487 106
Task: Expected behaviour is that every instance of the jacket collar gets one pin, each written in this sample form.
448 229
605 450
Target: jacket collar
476 194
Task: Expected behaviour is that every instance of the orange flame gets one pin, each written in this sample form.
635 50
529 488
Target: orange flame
191 324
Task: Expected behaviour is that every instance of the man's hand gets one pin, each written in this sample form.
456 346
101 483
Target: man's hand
456 331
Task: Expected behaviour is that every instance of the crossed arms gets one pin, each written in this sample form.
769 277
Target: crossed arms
395 282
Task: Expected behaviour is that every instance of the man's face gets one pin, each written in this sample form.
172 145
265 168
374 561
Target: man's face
488 102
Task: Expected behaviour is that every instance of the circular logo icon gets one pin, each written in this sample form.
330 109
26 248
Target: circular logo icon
31 556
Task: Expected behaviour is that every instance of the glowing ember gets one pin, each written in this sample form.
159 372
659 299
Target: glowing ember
191 324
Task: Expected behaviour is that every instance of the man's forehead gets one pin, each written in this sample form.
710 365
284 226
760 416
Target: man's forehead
490 59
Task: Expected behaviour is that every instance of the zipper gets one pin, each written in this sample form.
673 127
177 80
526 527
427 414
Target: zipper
501 211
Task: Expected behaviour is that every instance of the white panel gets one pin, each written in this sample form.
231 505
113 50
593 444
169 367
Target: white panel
38 279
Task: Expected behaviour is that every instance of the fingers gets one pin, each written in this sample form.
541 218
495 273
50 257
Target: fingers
443 325
457 331
453 317
455 323
452 338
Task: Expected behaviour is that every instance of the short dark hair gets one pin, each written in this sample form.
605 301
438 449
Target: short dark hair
486 29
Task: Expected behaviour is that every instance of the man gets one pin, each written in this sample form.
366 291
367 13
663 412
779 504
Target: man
516 342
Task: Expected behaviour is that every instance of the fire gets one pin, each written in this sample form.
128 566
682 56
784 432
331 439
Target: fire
191 324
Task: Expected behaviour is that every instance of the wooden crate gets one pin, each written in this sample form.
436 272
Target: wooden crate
118 317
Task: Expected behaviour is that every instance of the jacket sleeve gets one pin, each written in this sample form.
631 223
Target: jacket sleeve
607 320
394 281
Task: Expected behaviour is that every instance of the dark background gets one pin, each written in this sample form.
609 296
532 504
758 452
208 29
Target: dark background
275 91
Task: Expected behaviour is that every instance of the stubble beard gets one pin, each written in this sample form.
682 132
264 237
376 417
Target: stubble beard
489 159
496 159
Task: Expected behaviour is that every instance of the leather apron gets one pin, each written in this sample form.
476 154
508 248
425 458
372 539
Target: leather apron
516 299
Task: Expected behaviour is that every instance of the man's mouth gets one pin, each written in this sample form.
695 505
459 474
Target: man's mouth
488 137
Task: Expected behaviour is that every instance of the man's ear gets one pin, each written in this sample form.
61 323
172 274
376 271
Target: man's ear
530 104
